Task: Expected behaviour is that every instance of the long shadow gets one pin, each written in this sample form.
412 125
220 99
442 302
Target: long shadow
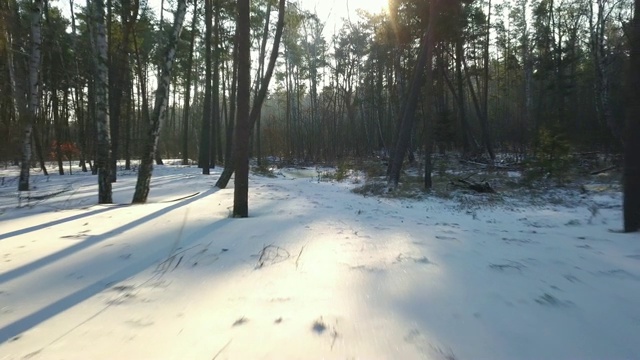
19 326
90 241
55 222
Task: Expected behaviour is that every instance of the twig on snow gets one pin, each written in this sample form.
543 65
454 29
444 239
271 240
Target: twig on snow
299 254
221 350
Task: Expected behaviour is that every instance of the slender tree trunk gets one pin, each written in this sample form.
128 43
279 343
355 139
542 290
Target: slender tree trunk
409 108
484 120
241 143
205 143
187 95
484 123
162 97
466 142
216 139
260 75
429 120
102 104
631 178
33 92
258 101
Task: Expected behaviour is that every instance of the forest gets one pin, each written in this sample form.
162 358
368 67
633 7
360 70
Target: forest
218 82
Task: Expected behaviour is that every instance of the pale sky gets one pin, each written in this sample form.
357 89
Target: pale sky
330 11
333 12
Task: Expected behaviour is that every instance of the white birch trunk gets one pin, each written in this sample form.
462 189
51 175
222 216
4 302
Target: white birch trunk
162 96
34 99
102 102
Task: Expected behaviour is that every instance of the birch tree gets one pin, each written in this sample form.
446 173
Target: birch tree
33 92
162 96
103 152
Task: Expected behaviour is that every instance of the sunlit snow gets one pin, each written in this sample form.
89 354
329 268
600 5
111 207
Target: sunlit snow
315 272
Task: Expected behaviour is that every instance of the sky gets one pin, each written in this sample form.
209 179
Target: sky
333 11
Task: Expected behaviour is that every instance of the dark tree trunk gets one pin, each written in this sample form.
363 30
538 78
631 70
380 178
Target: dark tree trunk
408 110
462 115
241 143
429 120
632 145
187 95
215 108
162 97
103 146
205 161
257 104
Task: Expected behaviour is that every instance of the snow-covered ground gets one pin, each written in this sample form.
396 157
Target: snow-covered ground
316 272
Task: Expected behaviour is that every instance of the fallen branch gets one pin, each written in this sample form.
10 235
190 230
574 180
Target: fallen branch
604 170
481 187
299 254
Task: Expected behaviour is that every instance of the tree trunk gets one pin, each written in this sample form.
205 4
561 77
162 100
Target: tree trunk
260 75
216 139
429 120
257 103
187 95
162 96
631 178
241 143
102 104
33 92
466 142
408 111
205 160
224 178
484 120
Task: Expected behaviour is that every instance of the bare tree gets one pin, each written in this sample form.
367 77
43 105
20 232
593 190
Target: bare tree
162 97
187 91
102 102
632 145
33 92
241 189
410 103
259 99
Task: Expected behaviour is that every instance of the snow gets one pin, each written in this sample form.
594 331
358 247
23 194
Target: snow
316 272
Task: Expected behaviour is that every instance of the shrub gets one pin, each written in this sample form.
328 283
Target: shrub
551 157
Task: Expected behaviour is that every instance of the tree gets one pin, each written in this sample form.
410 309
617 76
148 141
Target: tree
241 183
205 161
187 95
410 103
259 99
632 145
33 92
160 105
102 103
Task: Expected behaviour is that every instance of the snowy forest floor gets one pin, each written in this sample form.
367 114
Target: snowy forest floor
316 272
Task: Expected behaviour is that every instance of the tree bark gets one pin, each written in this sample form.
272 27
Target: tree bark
429 119
162 95
243 130
631 179
33 92
102 104
187 95
257 103
205 160
409 106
